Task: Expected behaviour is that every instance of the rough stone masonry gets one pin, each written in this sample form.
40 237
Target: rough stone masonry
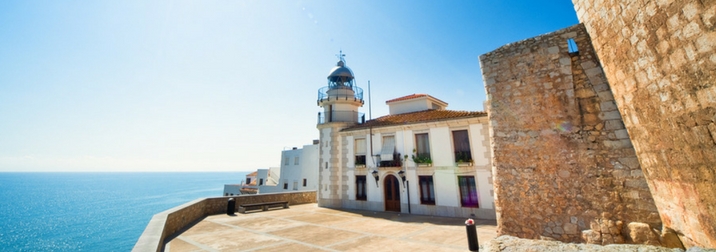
658 56
563 162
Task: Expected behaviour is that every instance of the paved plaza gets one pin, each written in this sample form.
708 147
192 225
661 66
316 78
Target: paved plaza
311 228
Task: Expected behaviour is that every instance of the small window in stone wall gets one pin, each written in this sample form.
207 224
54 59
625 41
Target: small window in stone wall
285 186
572 46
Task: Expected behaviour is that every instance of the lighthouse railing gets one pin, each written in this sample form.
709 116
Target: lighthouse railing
340 92
341 116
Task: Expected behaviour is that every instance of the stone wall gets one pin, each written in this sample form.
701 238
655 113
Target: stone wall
563 162
659 57
169 222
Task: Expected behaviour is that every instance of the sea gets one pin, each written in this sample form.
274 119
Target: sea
94 211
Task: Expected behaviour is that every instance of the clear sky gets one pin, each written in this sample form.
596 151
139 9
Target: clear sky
227 85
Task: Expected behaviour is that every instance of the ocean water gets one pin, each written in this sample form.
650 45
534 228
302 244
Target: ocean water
93 211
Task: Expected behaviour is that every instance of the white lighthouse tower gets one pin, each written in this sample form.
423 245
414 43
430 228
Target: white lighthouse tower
340 101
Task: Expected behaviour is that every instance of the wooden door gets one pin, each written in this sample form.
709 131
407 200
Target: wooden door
391 187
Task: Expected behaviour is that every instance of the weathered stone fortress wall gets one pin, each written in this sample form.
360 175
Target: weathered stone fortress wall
563 162
659 57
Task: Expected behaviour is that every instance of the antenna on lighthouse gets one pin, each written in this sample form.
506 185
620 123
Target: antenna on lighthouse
340 56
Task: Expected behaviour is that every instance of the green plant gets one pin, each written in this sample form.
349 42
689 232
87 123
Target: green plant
422 159
463 157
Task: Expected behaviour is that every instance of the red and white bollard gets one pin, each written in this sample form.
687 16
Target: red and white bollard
472 235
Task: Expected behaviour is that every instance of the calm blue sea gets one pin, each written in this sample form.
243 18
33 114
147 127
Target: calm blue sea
93 211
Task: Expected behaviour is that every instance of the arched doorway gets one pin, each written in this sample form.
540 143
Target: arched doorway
391 189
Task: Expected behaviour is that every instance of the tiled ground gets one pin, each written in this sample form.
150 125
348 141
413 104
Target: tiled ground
311 228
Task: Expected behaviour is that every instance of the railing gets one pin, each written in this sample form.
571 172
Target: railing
396 162
341 116
340 92
463 157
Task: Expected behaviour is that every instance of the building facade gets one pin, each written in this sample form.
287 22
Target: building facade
298 172
421 158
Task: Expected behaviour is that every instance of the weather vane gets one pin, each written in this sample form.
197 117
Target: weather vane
340 55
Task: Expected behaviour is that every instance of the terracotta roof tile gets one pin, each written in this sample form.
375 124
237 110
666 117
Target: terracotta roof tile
407 97
416 117
253 173
412 96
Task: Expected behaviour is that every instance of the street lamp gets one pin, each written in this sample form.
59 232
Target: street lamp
376 176
402 176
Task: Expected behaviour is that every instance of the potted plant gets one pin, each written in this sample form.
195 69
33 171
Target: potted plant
463 158
422 159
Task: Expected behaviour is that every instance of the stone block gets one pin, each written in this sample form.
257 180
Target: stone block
607 106
641 233
621 134
585 93
669 239
606 96
570 228
613 125
631 162
611 115
636 183
618 144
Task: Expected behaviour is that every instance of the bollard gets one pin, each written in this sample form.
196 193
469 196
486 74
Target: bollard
472 235
231 206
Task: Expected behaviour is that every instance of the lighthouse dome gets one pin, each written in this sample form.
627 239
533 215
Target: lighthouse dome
340 73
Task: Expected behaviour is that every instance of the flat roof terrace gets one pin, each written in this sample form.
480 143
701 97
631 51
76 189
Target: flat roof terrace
308 227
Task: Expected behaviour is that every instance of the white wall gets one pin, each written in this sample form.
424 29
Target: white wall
293 174
441 146
233 189
446 188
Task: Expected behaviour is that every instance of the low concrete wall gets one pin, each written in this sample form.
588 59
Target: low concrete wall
167 223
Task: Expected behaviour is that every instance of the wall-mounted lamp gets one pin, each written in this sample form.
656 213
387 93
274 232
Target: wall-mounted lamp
402 175
376 176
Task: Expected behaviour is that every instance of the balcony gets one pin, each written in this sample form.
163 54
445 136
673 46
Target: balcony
396 162
340 92
341 116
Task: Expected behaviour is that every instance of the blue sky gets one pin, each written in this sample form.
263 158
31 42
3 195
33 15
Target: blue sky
226 85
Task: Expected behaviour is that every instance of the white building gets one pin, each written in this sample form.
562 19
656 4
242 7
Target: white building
421 158
247 186
298 172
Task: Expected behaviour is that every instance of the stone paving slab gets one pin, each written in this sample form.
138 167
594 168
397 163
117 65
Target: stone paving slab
312 228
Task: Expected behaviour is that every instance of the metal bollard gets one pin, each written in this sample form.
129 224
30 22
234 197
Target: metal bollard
472 235
231 206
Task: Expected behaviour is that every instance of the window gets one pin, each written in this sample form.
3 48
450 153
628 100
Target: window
248 180
304 182
422 149
386 153
360 150
285 186
572 46
295 185
468 191
388 156
461 142
427 190
295 161
261 181
285 161
360 188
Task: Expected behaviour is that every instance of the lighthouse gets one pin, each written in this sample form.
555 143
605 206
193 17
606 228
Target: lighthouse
340 101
